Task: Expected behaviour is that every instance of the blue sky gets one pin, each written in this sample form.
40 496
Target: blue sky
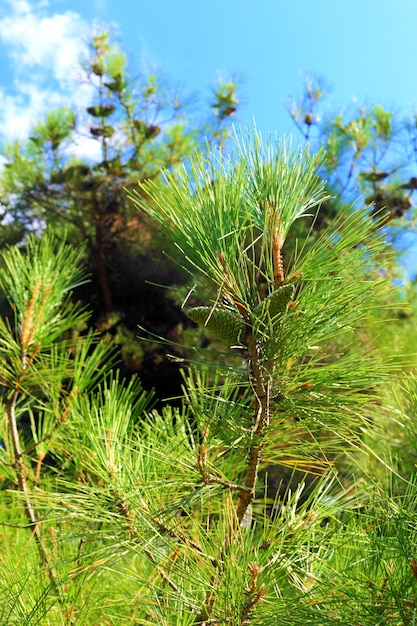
366 51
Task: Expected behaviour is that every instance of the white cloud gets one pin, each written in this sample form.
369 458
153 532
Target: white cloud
85 148
52 43
16 118
43 51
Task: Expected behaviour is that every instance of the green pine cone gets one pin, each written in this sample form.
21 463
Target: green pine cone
276 303
224 324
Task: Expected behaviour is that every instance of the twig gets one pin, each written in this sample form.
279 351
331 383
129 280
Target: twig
255 593
19 467
124 509
262 392
174 534
209 479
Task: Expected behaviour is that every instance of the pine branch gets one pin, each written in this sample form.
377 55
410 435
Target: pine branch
261 390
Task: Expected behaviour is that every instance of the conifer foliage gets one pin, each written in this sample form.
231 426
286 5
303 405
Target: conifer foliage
129 515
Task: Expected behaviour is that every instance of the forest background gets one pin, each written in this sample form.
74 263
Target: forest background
66 170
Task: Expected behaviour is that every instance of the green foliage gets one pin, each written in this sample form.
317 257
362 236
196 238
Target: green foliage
54 130
367 148
177 517
228 210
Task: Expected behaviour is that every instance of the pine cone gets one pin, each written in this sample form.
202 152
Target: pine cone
224 324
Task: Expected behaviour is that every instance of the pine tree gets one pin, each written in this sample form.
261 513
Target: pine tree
302 382
176 517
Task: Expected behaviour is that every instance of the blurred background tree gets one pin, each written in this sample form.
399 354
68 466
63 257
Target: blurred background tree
71 175
371 152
